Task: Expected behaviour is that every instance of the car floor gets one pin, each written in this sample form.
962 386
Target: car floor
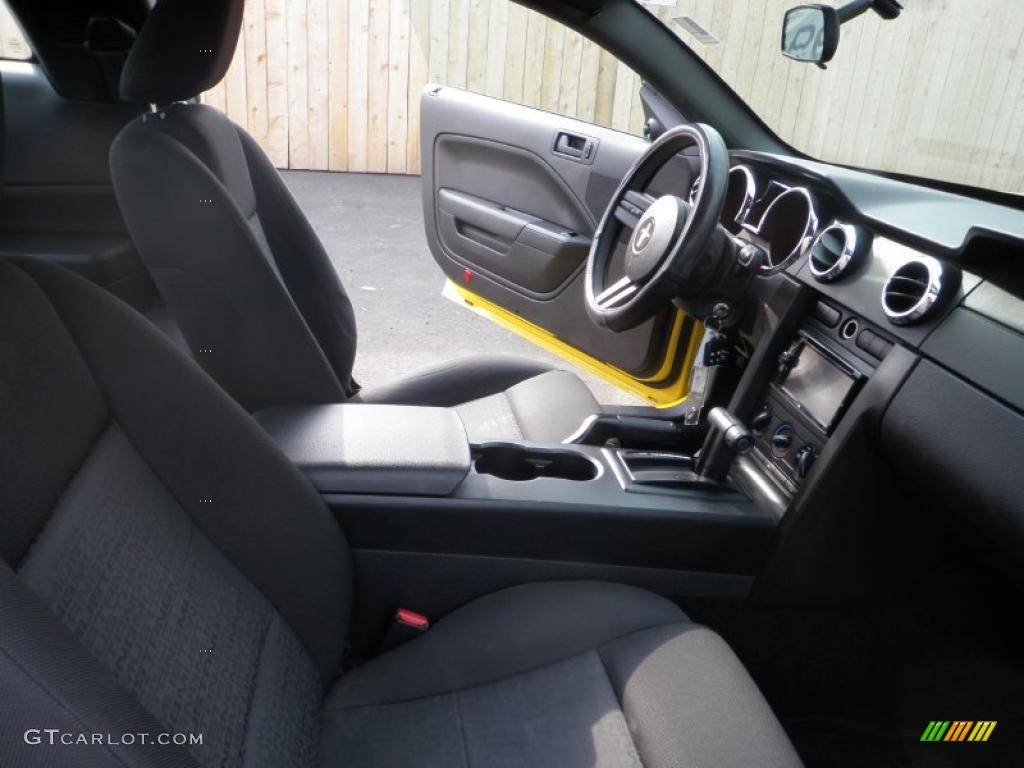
372 228
856 683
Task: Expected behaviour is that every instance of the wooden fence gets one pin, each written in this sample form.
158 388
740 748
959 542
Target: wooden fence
12 42
335 84
939 92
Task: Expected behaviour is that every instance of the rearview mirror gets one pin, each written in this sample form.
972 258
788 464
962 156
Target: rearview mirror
810 33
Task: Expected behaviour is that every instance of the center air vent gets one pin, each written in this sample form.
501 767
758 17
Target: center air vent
917 289
836 250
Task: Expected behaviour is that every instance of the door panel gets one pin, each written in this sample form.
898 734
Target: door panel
511 199
520 250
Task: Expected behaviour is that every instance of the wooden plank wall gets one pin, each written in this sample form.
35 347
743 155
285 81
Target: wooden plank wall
335 84
12 42
938 92
952 107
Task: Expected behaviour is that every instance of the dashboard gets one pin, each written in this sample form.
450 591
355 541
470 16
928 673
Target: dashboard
808 231
914 327
907 260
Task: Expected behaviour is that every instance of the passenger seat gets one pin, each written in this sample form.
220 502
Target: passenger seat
164 569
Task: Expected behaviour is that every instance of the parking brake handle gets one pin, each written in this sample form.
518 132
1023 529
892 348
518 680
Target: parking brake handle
629 431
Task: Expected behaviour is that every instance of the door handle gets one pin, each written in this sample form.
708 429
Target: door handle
575 146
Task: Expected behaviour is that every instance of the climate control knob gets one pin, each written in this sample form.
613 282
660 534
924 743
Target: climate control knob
782 439
805 458
762 418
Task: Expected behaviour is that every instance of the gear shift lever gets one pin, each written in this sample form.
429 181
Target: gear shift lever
727 439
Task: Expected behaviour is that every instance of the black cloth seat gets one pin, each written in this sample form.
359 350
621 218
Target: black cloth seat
164 569
566 675
247 280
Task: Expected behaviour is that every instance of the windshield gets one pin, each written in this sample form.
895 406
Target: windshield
936 93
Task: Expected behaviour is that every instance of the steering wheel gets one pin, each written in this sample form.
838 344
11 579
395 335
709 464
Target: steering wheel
663 259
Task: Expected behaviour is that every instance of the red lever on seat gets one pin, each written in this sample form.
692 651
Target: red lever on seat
412 619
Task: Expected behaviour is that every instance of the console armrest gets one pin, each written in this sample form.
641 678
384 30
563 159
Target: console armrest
356 448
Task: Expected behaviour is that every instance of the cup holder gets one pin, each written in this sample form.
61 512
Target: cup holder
514 462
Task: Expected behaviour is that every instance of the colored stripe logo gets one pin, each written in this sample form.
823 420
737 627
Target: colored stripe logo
958 730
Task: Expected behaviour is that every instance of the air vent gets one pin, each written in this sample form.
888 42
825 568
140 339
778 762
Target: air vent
917 289
836 250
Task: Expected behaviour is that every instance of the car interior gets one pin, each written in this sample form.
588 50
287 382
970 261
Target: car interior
805 549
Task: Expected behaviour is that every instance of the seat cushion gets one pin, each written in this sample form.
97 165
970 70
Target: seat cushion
455 381
555 674
498 397
542 409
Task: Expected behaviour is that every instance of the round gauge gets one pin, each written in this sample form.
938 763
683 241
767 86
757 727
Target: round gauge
788 227
739 197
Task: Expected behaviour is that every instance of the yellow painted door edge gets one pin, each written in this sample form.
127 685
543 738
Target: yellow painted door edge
655 389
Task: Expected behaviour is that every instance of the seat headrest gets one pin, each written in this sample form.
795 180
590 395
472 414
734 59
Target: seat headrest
184 48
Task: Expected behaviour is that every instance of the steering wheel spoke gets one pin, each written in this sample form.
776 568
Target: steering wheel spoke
632 207
616 293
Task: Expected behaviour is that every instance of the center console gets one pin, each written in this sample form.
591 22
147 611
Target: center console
434 519
809 387
421 456
348 448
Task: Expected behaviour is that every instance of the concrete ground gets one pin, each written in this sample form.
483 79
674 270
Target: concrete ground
372 227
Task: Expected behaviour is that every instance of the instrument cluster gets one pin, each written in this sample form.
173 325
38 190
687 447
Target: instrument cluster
782 220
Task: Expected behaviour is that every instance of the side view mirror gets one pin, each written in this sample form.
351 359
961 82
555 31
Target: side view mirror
811 32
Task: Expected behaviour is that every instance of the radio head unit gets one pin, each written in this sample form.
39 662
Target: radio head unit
818 383
807 397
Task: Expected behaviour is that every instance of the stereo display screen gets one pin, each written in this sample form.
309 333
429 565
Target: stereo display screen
817 385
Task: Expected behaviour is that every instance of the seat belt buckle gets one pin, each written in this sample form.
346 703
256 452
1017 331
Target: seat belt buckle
405 626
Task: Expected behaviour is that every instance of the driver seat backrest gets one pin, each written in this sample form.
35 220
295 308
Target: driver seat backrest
230 250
